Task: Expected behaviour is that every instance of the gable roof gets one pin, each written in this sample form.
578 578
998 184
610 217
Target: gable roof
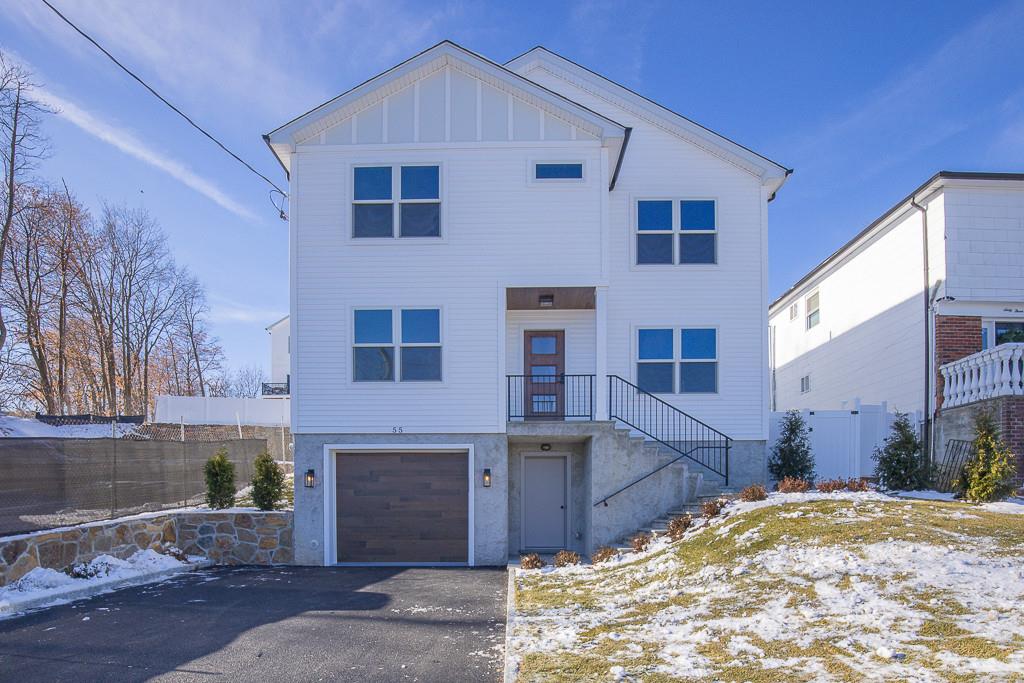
771 172
283 139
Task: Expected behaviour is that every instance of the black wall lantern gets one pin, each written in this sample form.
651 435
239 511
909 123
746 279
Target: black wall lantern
487 477
310 479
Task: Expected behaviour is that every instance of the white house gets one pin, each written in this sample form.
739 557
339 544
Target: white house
280 359
924 309
528 306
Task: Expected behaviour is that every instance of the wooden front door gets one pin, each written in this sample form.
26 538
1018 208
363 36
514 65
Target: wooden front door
544 367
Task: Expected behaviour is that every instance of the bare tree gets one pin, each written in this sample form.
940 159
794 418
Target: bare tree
247 381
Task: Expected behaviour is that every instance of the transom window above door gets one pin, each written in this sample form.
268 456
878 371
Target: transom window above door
402 200
673 360
676 231
418 335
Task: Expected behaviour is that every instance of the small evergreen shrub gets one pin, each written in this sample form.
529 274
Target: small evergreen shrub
988 476
531 561
677 526
564 558
712 508
791 455
793 485
899 465
603 554
831 485
753 493
267 482
857 485
220 480
640 542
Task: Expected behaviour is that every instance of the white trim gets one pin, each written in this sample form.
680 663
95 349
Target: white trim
567 496
330 484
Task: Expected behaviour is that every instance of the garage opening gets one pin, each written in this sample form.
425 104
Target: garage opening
403 507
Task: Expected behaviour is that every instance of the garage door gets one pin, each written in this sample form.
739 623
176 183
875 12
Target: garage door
402 507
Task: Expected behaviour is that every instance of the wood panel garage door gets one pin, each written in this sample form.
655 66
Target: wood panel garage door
402 507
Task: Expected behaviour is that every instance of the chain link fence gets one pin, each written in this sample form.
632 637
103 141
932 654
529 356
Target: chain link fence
50 482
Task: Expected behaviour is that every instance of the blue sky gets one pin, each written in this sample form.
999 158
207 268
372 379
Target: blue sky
865 100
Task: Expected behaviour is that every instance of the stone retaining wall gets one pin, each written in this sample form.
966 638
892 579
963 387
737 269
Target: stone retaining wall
236 536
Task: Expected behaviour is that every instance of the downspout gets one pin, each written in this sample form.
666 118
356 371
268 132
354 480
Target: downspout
926 295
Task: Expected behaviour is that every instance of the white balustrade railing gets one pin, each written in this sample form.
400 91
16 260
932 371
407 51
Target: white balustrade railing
987 374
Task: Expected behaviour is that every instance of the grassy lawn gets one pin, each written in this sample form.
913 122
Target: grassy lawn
847 587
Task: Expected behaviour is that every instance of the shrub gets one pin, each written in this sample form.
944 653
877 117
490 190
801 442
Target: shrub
791 454
857 485
564 558
640 542
531 561
793 485
753 493
603 554
712 508
220 480
987 476
831 485
899 465
267 482
677 526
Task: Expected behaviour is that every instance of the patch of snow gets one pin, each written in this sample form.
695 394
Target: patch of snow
23 427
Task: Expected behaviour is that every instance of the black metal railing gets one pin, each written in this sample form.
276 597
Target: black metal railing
550 397
946 472
275 389
664 423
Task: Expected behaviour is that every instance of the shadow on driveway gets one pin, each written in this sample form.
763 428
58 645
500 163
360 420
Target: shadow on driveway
271 624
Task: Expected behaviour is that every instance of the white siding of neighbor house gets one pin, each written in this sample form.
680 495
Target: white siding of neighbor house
985 243
280 363
500 229
870 341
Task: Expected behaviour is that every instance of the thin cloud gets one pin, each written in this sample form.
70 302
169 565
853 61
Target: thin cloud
126 142
223 310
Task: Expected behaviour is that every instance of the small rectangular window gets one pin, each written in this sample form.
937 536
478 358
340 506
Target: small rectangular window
813 306
550 171
655 368
698 366
794 310
805 384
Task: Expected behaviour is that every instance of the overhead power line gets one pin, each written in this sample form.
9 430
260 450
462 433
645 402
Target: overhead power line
175 109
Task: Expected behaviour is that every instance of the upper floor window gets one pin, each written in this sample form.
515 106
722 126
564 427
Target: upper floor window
805 384
418 192
794 311
683 231
692 357
558 171
813 306
418 356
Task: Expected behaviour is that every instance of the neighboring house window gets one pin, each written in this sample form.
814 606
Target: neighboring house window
676 231
556 171
813 316
1009 332
655 367
698 367
418 189
805 384
418 358
794 311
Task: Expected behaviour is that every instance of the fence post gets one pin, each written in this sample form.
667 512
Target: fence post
113 469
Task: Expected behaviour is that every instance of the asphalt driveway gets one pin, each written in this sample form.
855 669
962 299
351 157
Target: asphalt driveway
271 624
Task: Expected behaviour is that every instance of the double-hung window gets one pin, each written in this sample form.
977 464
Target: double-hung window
415 189
813 308
403 344
671 360
676 231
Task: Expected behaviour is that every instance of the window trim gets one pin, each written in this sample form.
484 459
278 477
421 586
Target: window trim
534 163
677 357
808 311
397 344
396 202
676 231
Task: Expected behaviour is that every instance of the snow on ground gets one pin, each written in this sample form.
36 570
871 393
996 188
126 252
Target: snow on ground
842 586
103 571
11 427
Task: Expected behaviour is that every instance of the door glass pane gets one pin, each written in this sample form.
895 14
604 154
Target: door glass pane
542 374
654 215
543 345
1009 332
544 403
421 363
372 220
655 378
697 214
421 326
420 220
373 327
655 344
420 182
699 248
373 182
653 249
373 363
699 344
698 378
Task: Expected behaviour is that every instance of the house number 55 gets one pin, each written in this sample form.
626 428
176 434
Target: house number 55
397 430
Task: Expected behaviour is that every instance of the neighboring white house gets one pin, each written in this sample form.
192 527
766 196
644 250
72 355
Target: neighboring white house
492 268
863 325
280 359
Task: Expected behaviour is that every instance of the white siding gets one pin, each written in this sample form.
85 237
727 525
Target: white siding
580 338
985 242
279 357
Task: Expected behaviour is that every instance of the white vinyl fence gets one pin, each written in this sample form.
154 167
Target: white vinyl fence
842 441
199 410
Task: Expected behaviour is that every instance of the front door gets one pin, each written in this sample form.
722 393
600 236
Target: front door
544 513
544 367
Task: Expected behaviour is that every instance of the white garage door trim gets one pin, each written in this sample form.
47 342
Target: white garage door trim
329 479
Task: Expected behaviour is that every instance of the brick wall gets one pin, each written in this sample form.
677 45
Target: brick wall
956 336
958 423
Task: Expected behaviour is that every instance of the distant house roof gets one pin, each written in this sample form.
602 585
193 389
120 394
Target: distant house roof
272 325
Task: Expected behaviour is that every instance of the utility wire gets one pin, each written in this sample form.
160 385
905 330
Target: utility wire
164 100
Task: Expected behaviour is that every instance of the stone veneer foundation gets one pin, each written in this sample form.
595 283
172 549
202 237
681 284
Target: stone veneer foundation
232 537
